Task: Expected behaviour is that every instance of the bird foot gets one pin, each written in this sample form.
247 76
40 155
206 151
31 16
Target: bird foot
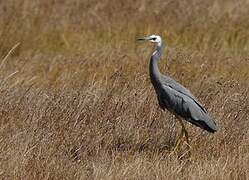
179 143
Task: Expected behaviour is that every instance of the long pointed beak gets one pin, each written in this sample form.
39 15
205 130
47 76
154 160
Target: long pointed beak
143 39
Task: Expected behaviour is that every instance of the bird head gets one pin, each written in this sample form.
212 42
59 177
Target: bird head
152 38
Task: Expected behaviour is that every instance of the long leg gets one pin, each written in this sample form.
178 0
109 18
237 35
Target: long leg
183 134
184 131
178 141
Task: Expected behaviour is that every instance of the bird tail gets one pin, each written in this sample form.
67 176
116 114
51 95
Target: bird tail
206 123
210 126
202 119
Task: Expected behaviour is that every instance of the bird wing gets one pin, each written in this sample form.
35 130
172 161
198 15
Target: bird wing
181 89
185 106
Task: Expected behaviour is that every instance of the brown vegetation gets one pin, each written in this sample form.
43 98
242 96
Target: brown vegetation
76 99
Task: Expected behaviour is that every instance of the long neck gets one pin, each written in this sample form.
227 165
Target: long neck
155 74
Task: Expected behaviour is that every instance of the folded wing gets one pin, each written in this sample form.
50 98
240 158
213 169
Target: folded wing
177 99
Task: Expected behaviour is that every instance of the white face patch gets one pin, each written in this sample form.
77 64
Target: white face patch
155 39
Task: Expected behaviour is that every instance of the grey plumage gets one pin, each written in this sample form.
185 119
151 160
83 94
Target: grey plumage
175 97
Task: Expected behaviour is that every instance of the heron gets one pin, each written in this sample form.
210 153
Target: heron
175 97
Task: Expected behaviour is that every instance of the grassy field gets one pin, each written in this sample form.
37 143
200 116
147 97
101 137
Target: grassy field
76 98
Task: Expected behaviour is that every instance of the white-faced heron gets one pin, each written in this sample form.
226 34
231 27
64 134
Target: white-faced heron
175 97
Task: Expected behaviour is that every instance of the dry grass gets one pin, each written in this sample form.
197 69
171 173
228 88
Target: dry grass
77 103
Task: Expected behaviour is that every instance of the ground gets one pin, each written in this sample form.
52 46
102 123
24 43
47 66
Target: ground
76 98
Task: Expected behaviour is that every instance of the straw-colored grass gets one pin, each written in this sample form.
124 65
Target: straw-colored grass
76 99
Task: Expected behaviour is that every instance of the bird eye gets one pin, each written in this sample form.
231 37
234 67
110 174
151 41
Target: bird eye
153 39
